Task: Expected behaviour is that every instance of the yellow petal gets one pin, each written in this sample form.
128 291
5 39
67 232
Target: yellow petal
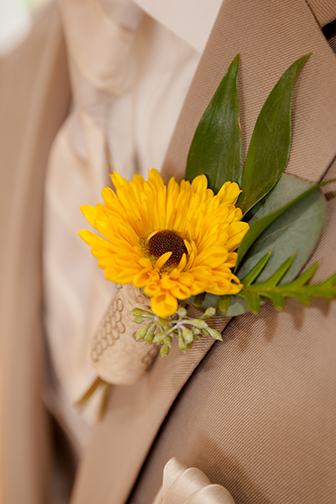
164 304
209 224
162 260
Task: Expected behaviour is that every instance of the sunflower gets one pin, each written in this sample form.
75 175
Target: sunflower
174 242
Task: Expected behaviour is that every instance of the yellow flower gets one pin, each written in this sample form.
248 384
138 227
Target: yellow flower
175 241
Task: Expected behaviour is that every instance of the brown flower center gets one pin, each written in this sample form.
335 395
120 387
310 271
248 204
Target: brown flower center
167 241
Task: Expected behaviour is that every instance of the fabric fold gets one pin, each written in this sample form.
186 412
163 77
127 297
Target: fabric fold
89 31
182 485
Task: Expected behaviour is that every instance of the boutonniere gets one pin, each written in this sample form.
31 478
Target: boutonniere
228 238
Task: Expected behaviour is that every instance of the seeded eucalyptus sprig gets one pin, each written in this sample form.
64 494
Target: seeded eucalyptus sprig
162 330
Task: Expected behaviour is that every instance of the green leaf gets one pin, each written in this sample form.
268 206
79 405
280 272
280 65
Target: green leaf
199 299
293 233
288 191
255 272
208 301
252 299
270 143
279 273
216 149
224 303
254 293
296 231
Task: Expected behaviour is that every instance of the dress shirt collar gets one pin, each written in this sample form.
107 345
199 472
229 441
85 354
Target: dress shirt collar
192 20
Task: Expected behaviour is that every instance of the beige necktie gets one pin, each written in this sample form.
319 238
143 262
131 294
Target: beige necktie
78 169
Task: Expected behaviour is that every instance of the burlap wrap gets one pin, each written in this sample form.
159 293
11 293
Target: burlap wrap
114 352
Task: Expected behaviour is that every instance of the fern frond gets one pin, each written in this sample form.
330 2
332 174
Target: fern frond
271 289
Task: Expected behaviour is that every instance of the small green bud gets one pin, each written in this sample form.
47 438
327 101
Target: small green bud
140 312
164 350
136 312
187 336
149 337
159 337
181 312
162 322
139 320
210 312
215 334
168 341
151 333
182 345
189 346
200 324
141 333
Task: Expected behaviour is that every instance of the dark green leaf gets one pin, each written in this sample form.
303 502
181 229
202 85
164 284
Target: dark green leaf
199 299
288 191
216 149
270 143
209 301
224 303
294 232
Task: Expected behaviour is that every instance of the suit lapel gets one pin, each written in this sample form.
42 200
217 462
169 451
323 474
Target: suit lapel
269 36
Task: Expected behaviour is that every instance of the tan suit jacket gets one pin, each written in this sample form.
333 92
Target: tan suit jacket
255 413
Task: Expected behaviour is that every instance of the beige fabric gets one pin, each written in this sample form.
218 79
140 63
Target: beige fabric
34 99
269 37
323 10
120 442
257 38
182 485
258 416
88 52
200 15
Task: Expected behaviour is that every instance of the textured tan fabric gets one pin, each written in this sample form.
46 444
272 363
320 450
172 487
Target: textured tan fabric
34 98
269 37
245 392
323 10
258 417
120 442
